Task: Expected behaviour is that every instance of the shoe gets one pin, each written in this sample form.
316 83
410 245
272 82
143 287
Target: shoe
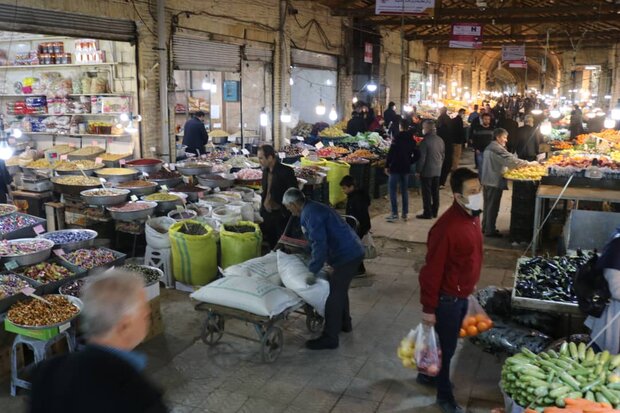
425 380
422 216
392 218
347 328
321 343
405 218
449 406
493 235
435 215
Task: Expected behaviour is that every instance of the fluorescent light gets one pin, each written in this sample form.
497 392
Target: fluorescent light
609 123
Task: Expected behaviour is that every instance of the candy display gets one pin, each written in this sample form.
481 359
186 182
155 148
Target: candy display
73 288
150 275
46 272
10 223
250 174
103 192
77 180
7 209
36 313
76 165
130 206
22 247
66 237
292 151
90 257
162 197
11 284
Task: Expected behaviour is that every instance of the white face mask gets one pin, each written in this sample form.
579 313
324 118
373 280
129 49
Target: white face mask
474 202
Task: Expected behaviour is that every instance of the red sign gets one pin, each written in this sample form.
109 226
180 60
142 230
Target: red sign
367 52
466 36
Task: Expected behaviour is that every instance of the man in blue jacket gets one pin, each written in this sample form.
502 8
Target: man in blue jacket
334 242
195 136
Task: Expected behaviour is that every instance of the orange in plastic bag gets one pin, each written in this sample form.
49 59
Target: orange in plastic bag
476 321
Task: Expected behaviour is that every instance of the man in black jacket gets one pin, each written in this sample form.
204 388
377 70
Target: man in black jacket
277 178
356 124
358 202
527 140
460 137
195 136
481 137
445 132
107 376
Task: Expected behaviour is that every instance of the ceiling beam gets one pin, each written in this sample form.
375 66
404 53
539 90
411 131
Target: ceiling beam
555 46
413 21
606 35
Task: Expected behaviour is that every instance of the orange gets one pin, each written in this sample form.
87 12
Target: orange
481 317
469 321
472 331
462 333
483 326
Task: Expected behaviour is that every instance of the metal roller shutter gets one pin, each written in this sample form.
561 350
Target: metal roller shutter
195 53
25 19
314 60
257 54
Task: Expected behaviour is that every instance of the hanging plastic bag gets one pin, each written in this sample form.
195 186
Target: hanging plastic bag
406 350
369 247
476 321
427 352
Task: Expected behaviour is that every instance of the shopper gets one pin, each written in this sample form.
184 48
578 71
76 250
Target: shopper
526 145
358 203
334 242
432 152
473 116
444 130
449 276
106 376
576 122
506 122
277 178
356 124
481 137
391 119
496 160
459 135
195 136
398 166
609 262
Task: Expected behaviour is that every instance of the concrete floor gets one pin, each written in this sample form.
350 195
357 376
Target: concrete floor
362 375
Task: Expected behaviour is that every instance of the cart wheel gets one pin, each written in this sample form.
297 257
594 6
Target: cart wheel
271 344
212 329
314 321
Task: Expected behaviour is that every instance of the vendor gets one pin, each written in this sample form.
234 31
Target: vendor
334 242
277 178
195 136
496 160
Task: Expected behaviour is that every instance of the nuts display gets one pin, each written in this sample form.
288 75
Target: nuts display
39 164
111 157
36 313
116 171
130 207
103 192
77 180
135 184
76 165
161 197
149 274
46 272
88 150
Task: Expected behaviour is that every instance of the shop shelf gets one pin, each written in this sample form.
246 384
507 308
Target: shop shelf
24 95
44 115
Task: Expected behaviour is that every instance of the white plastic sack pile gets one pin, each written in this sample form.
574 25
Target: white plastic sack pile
294 273
265 267
253 295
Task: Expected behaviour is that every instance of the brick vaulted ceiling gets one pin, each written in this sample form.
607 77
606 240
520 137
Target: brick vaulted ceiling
567 23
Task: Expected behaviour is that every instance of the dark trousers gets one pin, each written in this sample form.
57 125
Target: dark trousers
492 198
449 314
337 306
393 182
447 164
430 195
274 224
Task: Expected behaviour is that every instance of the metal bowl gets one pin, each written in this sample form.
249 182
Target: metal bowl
71 189
163 207
220 140
194 168
8 209
247 194
178 215
32 258
134 215
154 167
142 190
88 172
73 300
215 181
169 182
90 199
118 178
72 246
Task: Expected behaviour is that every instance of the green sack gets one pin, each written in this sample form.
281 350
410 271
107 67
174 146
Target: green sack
337 171
194 257
309 162
240 247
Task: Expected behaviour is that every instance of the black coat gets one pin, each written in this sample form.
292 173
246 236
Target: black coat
443 128
283 179
356 125
358 203
392 120
458 131
401 154
528 140
195 135
94 381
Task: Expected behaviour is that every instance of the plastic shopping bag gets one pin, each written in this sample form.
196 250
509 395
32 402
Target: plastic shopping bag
369 247
427 351
476 321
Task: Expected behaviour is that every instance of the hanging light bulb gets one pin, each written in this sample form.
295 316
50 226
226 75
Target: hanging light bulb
354 100
17 133
333 115
545 127
291 81
206 85
537 112
264 119
285 116
371 86
5 150
137 118
466 95
609 123
615 112
124 117
320 108
213 87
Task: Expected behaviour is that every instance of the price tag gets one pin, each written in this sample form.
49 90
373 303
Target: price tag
319 145
305 152
12 141
541 157
180 208
98 160
235 150
145 174
121 162
245 151
103 181
164 188
93 142
216 190
63 157
186 179
27 290
11 265
59 252
39 229
133 198
331 143
282 155
172 167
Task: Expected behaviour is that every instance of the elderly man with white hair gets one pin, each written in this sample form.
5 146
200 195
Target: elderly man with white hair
106 376
334 242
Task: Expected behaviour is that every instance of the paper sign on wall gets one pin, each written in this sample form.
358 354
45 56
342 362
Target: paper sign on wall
404 6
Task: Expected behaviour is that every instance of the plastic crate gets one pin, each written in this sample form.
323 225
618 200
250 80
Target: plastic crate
39 334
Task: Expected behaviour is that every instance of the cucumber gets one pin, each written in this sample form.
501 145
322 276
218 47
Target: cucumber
574 395
572 349
613 386
544 356
564 348
579 372
581 351
581 379
600 397
615 361
560 401
591 385
552 354
613 399
560 391
605 356
528 353
590 354
568 379
590 396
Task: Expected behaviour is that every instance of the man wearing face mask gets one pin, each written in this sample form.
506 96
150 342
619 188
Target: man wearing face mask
450 274
495 162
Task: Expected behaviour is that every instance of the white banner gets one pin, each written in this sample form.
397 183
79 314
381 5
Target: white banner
403 6
466 36
512 53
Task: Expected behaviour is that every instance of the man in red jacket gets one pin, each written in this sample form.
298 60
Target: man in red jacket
452 269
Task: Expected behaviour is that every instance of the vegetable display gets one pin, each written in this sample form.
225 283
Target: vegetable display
549 378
